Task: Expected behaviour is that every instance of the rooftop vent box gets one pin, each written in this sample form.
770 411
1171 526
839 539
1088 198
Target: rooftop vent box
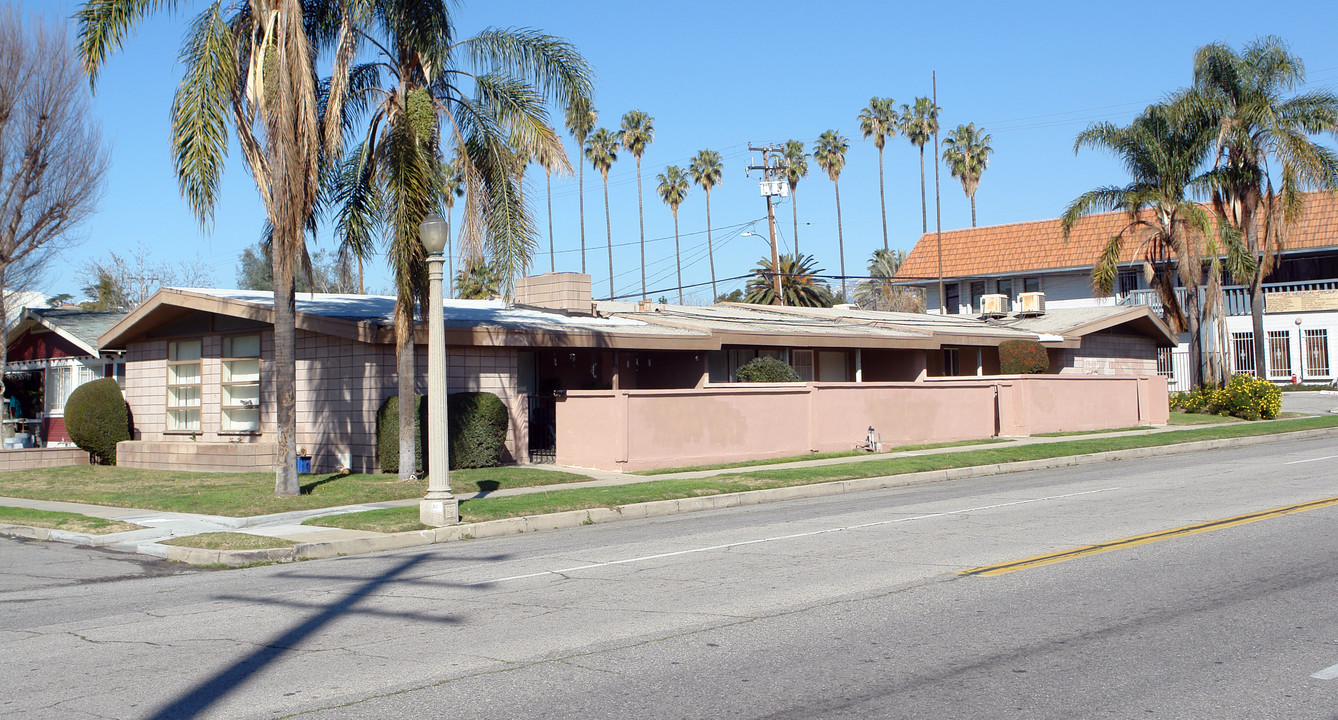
993 306
1030 304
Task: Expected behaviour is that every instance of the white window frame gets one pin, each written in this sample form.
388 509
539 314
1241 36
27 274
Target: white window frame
58 392
185 415
239 385
1279 344
1315 350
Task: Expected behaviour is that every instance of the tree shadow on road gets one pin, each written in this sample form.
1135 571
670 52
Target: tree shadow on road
204 695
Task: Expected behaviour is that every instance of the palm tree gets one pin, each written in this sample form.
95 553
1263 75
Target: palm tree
879 121
451 189
1163 154
918 124
967 151
830 154
581 119
1264 158
638 131
708 171
601 150
256 69
796 169
673 191
478 281
878 292
393 176
551 164
800 285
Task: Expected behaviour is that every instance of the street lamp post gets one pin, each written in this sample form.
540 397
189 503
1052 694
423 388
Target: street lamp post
439 507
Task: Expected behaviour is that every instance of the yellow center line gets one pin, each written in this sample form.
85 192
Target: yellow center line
1084 551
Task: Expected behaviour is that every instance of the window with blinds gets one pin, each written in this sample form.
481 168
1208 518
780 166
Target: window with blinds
184 372
240 396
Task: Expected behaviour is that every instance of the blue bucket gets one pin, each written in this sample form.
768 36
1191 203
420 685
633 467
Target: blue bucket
303 465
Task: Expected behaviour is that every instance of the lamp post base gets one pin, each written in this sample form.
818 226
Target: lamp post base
439 512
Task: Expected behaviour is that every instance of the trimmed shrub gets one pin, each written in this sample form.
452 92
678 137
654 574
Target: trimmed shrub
766 369
97 417
1023 357
388 434
478 423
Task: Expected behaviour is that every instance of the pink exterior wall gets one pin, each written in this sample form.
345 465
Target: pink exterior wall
1109 354
647 429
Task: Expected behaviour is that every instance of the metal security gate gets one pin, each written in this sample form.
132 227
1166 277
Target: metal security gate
543 429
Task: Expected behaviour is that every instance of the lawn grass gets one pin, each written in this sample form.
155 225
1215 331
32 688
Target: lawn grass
491 508
73 522
243 494
1070 433
386 520
229 541
813 456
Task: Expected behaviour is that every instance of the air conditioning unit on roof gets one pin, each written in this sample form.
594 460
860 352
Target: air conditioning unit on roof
1031 303
993 306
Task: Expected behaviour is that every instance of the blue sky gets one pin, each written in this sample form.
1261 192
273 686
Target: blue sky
722 75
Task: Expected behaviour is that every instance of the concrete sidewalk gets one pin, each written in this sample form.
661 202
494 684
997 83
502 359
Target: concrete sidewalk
315 541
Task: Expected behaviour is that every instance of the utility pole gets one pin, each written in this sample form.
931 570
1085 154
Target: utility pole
771 187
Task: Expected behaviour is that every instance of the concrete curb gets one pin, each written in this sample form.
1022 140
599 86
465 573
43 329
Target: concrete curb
641 511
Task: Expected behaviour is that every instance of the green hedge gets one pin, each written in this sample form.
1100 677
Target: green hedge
388 433
477 423
97 417
766 369
1023 357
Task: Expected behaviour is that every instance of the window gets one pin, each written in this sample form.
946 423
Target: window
241 384
803 364
952 299
1242 351
183 386
1129 280
977 292
951 365
1031 284
1005 287
1166 363
1317 352
60 382
1279 353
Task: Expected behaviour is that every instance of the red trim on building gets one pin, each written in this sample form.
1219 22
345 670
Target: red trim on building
42 346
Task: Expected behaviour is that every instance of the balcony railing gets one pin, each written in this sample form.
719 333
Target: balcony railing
1235 298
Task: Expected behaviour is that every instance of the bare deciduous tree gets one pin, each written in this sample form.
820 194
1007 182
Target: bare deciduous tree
52 161
124 283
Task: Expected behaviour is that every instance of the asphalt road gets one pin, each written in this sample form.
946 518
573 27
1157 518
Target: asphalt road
849 606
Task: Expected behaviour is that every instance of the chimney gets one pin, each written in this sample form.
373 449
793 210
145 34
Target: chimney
565 291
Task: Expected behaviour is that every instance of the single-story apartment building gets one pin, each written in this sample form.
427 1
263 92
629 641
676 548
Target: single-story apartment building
199 373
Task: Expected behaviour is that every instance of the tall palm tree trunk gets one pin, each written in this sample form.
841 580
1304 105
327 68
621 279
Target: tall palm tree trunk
609 229
580 197
973 209
678 258
710 252
450 261
404 368
552 253
1195 336
285 371
840 240
641 218
924 204
794 207
882 200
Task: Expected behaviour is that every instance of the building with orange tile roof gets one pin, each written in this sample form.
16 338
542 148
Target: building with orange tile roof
1009 260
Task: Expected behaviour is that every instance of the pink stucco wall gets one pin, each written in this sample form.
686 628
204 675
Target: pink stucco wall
645 429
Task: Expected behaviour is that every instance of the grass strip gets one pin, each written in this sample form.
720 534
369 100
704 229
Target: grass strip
493 508
816 456
73 522
229 541
1070 433
244 494
385 520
